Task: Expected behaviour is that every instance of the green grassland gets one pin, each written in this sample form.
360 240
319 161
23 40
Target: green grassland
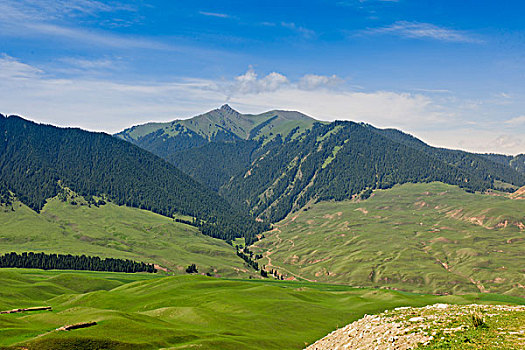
144 311
499 330
429 238
116 232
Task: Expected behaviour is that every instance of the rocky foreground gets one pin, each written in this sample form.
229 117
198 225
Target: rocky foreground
439 326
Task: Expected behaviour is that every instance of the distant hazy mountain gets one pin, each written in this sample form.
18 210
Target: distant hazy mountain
276 162
38 161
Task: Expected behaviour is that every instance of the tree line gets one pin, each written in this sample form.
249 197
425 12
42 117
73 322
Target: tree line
45 261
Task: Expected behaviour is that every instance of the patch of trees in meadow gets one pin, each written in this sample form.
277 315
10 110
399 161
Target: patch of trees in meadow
248 257
192 269
72 262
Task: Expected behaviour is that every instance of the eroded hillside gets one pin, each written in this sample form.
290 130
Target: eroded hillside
433 238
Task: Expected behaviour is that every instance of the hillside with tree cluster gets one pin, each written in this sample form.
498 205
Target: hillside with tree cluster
38 162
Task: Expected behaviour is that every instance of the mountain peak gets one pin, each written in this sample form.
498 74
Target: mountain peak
226 108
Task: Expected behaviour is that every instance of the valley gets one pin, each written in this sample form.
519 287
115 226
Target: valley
113 231
267 231
262 175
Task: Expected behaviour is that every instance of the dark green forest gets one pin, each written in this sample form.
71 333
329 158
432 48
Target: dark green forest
216 162
34 158
495 167
72 262
515 162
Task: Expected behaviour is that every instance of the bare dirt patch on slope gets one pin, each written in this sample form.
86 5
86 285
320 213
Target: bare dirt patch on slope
362 210
519 194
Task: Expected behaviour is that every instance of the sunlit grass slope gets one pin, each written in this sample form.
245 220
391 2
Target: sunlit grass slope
431 238
116 232
135 311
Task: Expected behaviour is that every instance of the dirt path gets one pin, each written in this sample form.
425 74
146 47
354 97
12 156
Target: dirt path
268 253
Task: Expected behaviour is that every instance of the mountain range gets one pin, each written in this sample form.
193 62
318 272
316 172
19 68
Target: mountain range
276 162
326 206
232 176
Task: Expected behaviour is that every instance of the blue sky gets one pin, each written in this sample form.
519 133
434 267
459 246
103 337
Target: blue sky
450 72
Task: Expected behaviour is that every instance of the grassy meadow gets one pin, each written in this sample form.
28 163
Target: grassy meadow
428 238
145 311
115 232
424 238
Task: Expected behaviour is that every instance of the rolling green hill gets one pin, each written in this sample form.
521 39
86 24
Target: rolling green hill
38 161
76 227
431 238
139 311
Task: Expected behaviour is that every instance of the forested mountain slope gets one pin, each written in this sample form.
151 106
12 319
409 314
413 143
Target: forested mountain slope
38 161
515 162
338 161
215 163
277 161
497 167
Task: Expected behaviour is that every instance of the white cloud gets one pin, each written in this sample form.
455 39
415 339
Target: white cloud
314 81
516 121
505 142
305 32
44 10
381 108
86 64
433 91
58 19
79 35
10 68
417 30
477 140
249 83
102 105
214 14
